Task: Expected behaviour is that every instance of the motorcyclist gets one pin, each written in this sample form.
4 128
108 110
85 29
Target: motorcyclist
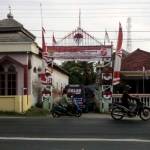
126 99
64 101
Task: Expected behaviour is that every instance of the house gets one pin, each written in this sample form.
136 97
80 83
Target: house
20 64
135 71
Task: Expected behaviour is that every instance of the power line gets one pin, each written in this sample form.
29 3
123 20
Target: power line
91 17
114 39
47 30
89 9
87 3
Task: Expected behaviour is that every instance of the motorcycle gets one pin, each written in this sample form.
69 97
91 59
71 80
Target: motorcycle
59 110
118 111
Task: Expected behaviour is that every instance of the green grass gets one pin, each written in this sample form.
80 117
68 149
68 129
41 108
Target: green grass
33 111
7 113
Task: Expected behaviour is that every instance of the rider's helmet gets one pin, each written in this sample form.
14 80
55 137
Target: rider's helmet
127 88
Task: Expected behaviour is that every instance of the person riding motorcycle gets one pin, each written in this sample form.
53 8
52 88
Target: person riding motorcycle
64 101
126 99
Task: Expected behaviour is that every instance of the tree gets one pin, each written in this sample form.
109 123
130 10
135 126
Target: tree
80 72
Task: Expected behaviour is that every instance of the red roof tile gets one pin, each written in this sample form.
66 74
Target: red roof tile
136 60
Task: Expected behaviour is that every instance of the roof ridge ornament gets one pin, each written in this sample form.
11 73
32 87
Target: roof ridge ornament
9 15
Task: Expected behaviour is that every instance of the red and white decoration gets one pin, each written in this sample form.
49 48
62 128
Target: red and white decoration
118 57
107 92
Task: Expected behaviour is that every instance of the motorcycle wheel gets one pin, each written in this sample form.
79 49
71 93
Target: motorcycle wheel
117 113
55 115
145 114
78 114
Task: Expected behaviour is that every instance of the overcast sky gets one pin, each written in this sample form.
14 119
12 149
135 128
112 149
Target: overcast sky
61 17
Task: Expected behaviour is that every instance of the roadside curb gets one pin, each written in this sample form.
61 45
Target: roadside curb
95 115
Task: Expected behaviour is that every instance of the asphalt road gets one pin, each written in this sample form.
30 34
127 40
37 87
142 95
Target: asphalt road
70 133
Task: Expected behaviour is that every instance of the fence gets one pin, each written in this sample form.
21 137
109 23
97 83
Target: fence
145 98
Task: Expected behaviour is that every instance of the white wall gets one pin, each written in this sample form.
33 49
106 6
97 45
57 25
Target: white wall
60 80
18 47
10 50
35 81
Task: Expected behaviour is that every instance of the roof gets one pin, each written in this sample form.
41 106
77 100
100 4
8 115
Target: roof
136 60
9 22
14 37
13 31
124 54
55 66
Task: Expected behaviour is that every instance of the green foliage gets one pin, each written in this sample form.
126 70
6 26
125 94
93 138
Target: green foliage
35 111
80 72
7 113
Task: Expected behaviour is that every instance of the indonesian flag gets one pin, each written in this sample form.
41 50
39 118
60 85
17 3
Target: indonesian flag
43 78
106 39
53 40
44 47
118 57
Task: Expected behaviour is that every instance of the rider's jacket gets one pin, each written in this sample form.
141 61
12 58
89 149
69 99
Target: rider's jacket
126 99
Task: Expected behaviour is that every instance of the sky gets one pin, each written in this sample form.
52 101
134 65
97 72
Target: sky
61 17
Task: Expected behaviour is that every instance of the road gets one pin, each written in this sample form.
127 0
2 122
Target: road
70 133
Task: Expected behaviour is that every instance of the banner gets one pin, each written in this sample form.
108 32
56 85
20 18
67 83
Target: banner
83 55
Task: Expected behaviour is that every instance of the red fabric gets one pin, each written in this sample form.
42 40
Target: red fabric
116 79
117 74
75 48
120 38
43 78
53 40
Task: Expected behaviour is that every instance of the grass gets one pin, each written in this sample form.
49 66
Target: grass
33 111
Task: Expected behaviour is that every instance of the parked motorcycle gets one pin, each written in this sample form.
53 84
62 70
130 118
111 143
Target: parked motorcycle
59 110
118 111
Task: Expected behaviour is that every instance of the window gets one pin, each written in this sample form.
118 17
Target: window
2 81
8 81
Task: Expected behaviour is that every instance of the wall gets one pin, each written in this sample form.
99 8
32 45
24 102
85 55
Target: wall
9 50
15 103
34 83
60 80
18 47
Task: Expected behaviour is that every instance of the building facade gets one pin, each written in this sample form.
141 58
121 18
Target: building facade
20 63
135 71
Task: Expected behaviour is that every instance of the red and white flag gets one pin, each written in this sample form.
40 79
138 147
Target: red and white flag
118 57
106 38
53 40
43 78
44 47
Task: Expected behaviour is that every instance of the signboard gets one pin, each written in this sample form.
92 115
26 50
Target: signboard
46 97
85 55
